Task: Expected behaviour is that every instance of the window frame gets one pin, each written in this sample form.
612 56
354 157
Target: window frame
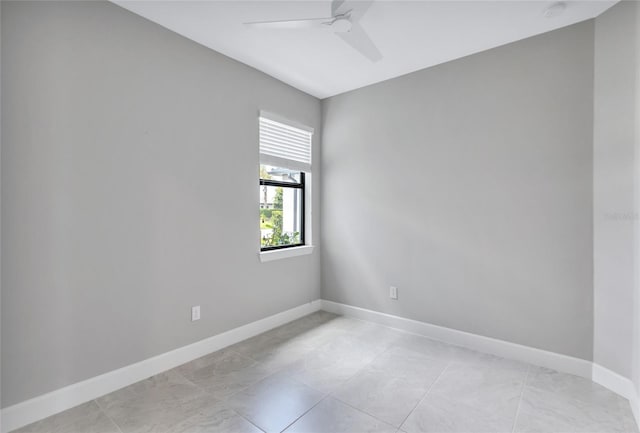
301 186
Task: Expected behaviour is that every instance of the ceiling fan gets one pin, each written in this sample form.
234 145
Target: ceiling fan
344 22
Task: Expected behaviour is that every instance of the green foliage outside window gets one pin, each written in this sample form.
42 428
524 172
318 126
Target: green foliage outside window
272 218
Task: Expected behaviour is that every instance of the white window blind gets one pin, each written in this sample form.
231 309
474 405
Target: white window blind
283 144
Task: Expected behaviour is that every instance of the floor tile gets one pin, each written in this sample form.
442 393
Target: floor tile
431 348
320 320
154 404
376 376
331 365
554 401
485 360
273 350
275 402
379 336
629 420
351 325
293 337
572 386
223 373
542 411
469 398
215 418
392 385
324 331
86 418
332 416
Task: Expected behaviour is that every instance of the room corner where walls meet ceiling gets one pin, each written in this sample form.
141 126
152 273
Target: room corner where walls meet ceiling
411 35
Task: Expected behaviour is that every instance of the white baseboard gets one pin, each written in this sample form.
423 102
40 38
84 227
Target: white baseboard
505 349
613 381
40 407
635 408
620 385
567 364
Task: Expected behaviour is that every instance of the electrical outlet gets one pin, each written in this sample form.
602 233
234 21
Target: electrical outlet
393 292
195 313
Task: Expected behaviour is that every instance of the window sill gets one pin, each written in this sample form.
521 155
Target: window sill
267 256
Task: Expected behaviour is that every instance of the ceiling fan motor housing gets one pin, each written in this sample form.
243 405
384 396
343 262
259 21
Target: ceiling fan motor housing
342 24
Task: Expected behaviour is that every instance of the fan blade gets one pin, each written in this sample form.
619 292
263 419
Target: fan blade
292 24
357 7
336 7
359 40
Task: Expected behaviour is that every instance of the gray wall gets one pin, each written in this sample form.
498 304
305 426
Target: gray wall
469 186
636 315
128 182
129 188
0 213
614 171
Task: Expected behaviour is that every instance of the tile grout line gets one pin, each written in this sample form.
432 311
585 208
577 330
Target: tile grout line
247 420
204 392
365 412
361 369
238 353
230 396
179 373
277 371
227 398
425 394
524 384
330 393
305 412
95 400
280 371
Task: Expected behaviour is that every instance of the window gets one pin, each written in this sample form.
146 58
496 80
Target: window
285 160
281 208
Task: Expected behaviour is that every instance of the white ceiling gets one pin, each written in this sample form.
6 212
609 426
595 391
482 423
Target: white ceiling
411 35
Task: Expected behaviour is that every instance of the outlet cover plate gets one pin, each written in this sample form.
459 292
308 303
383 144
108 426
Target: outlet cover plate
195 313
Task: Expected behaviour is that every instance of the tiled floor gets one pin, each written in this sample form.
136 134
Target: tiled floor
325 373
